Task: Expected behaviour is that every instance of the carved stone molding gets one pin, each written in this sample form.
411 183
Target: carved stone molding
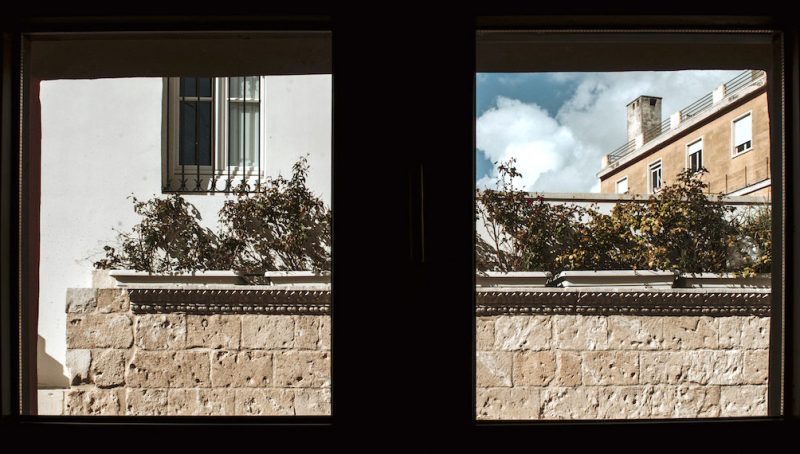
669 302
230 301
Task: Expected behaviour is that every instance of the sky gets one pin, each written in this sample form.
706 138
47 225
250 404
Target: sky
558 126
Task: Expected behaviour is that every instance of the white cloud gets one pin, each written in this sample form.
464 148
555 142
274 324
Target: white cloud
563 153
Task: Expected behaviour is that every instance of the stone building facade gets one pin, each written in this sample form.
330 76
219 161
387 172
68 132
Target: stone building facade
672 145
198 351
621 354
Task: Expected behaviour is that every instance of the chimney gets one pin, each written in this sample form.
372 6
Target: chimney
644 119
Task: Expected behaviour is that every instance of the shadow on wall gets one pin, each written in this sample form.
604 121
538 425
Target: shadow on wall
49 371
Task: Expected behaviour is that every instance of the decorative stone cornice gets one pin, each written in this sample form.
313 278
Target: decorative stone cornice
231 301
665 302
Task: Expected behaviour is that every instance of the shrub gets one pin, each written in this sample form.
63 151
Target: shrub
279 226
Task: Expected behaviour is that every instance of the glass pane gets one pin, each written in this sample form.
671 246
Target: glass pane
190 125
743 130
581 291
188 86
249 84
204 87
244 133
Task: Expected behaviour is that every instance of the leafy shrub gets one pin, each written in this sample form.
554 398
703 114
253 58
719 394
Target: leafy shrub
279 226
679 228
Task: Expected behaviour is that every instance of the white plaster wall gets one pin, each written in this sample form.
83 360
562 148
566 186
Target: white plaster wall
101 142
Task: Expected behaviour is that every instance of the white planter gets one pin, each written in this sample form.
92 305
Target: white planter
724 280
125 278
513 279
615 278
291 278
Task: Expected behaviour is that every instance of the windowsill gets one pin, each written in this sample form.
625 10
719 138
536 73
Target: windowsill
736 155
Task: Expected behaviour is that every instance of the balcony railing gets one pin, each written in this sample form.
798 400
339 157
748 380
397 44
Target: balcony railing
731 88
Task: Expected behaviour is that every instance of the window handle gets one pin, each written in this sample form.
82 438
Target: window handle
416 213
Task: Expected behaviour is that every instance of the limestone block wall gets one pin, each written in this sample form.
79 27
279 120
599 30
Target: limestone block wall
586 354
198 352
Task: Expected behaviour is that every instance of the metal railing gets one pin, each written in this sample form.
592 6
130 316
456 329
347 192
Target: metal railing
738 83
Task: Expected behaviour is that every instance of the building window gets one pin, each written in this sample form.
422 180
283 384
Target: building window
622 186
694 153
214 134
654 173
742 134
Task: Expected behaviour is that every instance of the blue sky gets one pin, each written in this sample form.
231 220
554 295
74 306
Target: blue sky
559 125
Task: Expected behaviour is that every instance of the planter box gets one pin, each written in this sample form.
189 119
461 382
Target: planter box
615 278
513 279
291 278
723 280
128 277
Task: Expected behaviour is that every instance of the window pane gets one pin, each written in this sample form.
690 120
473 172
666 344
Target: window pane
743 131
190 116
188 86
609 334
249 84
244 133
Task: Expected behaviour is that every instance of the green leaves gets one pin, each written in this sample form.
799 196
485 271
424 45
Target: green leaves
679 228
280 226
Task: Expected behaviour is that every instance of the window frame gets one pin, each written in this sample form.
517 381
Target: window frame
734 153
616 185
689 154
220 169
659 163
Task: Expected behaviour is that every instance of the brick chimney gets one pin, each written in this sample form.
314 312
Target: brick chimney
644 117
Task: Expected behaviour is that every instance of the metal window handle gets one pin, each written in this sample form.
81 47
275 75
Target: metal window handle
416 213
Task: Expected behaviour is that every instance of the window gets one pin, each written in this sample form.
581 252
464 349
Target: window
654 172
622 186
215 133
742 134
694 152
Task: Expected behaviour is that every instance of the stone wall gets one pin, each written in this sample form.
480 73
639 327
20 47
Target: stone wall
198 352
586 354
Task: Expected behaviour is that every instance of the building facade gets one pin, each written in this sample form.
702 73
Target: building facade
725 132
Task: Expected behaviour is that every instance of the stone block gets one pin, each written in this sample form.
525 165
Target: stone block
268 332
745 400
534 368
250 369
325 332
484 329
522 332
213 331
264 402
161 331
715 367
94 401
569 403
108 367
579 332
756 367
112 300
81 300
302 369
518 403
146 402
568 369
157 369
78 362
201 402
493 369
755 333
690 333
610 368
99 331
730 332
684 401
623 402
635 333
306 332
312 401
